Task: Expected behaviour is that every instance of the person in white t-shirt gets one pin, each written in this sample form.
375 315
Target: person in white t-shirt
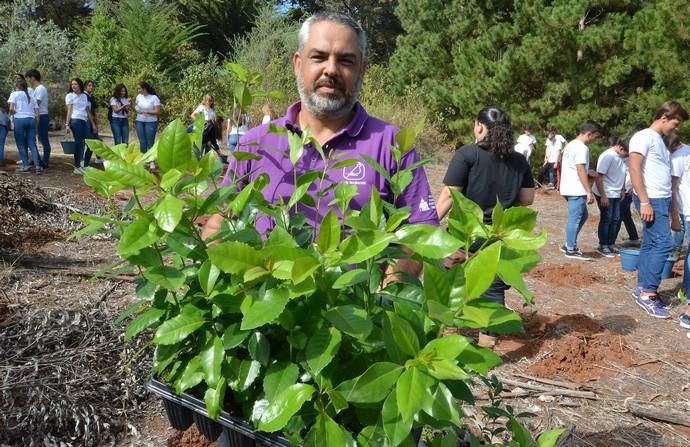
680 177
237 126
25 110
269 114
609 186
80 121
575 187
650 173
148 106
40 93
207 107
552 156
119 120
526 143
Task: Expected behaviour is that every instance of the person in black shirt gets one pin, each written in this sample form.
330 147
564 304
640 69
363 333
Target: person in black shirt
487 170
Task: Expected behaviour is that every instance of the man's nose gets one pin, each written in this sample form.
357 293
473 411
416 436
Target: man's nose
331 67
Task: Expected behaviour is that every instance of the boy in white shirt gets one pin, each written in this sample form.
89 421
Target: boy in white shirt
552 156
575 187
680 178
40 93
609 186
650 173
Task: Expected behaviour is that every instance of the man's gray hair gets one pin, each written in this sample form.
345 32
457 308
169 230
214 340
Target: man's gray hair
335 17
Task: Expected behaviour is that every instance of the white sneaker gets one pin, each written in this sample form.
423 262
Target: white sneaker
78 171
152 165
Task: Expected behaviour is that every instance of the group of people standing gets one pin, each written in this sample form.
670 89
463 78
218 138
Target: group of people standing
651 172
28 116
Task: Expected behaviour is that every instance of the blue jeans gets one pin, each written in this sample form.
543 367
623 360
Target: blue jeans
609 221
80 130
43 122
656 244
25 135
3 136
233 140
626 218
146 131
577 216
120 128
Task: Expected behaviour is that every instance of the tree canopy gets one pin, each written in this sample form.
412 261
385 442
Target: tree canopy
546 62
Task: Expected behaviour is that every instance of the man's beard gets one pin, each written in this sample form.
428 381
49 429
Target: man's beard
332 105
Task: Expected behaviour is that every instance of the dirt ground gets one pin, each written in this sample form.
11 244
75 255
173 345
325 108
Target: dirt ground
589 359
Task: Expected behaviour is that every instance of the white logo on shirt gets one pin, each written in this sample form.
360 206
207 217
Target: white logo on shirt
423 205
354 173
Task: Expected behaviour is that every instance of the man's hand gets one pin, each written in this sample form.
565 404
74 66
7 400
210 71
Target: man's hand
646 212
675 222
590 198
604 201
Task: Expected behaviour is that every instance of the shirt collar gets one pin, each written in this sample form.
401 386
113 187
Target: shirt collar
353 128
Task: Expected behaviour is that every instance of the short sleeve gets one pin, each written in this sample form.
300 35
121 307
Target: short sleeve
639 143
156 101
417 195
69 99
113 102
199 109
11 99
581 155
604 163
458 168
678 165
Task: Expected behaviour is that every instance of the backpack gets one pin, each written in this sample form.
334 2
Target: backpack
110 113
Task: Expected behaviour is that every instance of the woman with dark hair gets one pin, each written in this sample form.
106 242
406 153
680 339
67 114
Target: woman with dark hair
25 110
119 121
148 107
79 118
485 171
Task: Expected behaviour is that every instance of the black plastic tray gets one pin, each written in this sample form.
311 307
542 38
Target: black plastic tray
238 433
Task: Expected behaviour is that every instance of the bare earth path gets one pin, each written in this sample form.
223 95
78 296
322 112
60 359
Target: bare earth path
584 334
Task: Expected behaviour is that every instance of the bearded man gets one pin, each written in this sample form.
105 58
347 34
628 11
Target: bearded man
329 68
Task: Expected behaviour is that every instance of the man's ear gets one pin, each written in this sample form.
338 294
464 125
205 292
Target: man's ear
296 62
365 65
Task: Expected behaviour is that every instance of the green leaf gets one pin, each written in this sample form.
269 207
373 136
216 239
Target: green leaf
177 329
129 174
259 348
436 285
101 150
411 390
213 398
265 310
329 233
497 215
510 274
351 320
480 270
350 278
233 336
168 212
170 179
141 233
174 148
373 385
523 240
549 438
248 373
518 217
191 376
303 183
325 432
284 406
443 406
365 245
212 357
396 219
142 322
343 194
167 277
492 316
279 377
396 429
405 138
296 145
428 240
234 257
208 275
520 433
403 334
321 349
303 268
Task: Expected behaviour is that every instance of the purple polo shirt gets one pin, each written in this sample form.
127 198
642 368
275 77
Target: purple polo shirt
363 135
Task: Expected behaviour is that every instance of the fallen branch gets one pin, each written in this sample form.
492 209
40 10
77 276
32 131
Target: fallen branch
550 391
660 414
569 385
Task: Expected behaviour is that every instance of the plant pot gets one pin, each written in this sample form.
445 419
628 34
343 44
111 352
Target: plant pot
630 258
180 417
68 147
238 433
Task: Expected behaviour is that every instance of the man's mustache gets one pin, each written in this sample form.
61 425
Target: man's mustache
329 82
